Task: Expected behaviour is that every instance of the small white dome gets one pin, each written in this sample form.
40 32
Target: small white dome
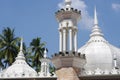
19 68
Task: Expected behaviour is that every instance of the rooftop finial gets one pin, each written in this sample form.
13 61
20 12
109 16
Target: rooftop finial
21 44
95 17
67 3
20 54
45 53
96 30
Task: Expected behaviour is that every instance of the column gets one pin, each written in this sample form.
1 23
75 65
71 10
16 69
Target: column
48 68
75 41
64 40
45 72
60 41
42 67
71 40
115 61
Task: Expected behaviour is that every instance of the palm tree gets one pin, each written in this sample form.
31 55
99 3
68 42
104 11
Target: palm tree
1 64
29 56
8 46
37 48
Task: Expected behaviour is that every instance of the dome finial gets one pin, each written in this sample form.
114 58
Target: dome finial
95 17
67 3
45 53
20 54
96 30
21 44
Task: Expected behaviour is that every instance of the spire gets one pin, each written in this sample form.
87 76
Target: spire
45 53
95 17
96 30
67 3
21 44
20 54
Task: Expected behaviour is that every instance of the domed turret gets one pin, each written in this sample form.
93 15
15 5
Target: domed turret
45 62
99 53
19 68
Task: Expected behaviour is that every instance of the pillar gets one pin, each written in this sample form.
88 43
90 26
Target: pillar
60 41
115 61
75 40
45 72
71 40
64 40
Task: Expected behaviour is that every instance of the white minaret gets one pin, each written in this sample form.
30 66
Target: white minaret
68 59
68 18
45 66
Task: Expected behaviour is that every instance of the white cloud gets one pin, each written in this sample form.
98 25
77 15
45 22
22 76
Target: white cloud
116 6
87 21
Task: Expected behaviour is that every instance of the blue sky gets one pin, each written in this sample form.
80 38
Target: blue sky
36 18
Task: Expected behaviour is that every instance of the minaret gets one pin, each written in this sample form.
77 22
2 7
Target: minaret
68 19
68 62
45 66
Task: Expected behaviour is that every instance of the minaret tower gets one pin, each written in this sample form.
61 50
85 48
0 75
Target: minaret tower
68 63
68 18
45 66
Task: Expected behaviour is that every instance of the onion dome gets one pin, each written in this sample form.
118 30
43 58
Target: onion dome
99 53
19 68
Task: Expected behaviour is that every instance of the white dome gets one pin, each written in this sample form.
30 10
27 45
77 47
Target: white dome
19 68
99 53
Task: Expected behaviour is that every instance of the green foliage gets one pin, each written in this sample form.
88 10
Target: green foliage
8 47
37 48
